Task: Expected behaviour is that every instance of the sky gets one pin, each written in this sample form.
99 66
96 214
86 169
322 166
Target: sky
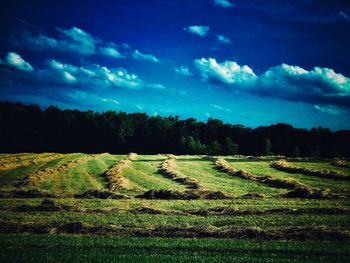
248 62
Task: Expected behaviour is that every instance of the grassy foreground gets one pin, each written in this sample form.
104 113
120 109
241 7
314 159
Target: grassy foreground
256 223
68 248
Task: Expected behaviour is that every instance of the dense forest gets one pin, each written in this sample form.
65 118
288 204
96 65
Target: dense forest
27 128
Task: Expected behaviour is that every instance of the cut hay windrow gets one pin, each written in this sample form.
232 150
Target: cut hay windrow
168 169
165 194
34 178
292 233
26 161
341 163
283 165
298 189
114 175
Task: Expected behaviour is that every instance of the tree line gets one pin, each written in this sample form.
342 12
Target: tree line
27 128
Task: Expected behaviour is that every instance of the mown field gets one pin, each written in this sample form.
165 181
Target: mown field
156 208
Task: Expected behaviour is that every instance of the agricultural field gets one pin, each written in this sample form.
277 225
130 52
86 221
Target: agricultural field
166 208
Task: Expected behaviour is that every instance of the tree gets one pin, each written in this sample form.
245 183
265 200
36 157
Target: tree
296 152
215 148
231 147
266 147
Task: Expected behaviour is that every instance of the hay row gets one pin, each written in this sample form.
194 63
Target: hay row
283 165
41 158
6 158
341 163
114 175
34 178
49 205
165 194
298 190
168 169
291 233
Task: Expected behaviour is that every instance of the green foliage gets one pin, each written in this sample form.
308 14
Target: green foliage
30 129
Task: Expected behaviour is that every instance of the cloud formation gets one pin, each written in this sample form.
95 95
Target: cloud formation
223 3
110 51
228 72
138 55
201 31
64 74
14 60
346 17
330 109
321 85
223 39
74 40
183 71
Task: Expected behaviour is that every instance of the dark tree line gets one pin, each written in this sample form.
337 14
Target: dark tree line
30 129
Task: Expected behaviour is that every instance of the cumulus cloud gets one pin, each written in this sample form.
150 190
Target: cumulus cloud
223 3
183 71
73 40
321 85
228 72
62 74
223 39
138 55
14 60
198 30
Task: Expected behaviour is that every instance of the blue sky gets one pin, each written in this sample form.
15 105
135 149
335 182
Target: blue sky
245 62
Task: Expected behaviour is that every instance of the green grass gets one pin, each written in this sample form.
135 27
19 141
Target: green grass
322 166
263 168
214 180
74 248
81 177
143 175
9 178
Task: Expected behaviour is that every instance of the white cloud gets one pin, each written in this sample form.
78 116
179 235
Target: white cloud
92 75
138 55
73 40
223 3
14 60
68 77
183 71
321 85
223 39
330 109
156 86
218 107
294 80
110 100
228 72
139 107
346 17
198 30
110 51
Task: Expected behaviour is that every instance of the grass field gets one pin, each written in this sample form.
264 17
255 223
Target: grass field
249 221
